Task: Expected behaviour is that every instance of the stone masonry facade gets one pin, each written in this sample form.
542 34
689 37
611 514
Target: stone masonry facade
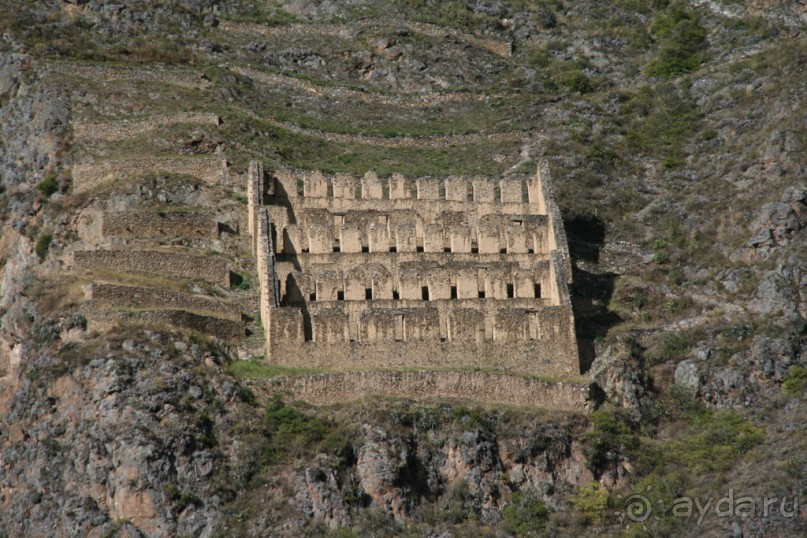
455 273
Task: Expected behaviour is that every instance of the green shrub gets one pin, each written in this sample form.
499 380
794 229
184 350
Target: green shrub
685 401
592 501
240 198
610 435
576 81
661 489
49 185
342 532
538 57
602 155
293 433
246 394
473 418
660 254
43 244
180 499
524 515
681 40
674 306
672 345
677 276
205 425
713 443
796 380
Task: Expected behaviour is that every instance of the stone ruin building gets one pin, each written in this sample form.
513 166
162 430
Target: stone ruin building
455 273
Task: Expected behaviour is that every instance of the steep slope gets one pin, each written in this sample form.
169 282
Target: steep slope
675 132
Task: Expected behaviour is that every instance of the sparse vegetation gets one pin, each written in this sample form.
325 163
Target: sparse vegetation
179 498
671 345
525 515
292 433
664 119
714 441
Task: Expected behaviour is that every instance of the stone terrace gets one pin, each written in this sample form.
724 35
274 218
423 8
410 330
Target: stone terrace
183 283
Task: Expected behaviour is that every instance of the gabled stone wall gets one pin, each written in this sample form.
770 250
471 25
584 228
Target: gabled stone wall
394 273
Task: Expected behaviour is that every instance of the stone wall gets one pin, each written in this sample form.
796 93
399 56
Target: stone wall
456 188
255 191
541 185
407 100
211 170
495 389
453 214
220 328
409 280
122 129
538 341
267 275
163 224
169 264
328 232
497 46
139 297
172 77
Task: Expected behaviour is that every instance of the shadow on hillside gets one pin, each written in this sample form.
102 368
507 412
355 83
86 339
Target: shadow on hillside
591 292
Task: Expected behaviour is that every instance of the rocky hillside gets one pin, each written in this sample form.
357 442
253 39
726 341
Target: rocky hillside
677 137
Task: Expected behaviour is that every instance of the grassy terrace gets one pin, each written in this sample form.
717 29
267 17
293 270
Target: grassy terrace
247 137
311 153
258 369
341 116
495 113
